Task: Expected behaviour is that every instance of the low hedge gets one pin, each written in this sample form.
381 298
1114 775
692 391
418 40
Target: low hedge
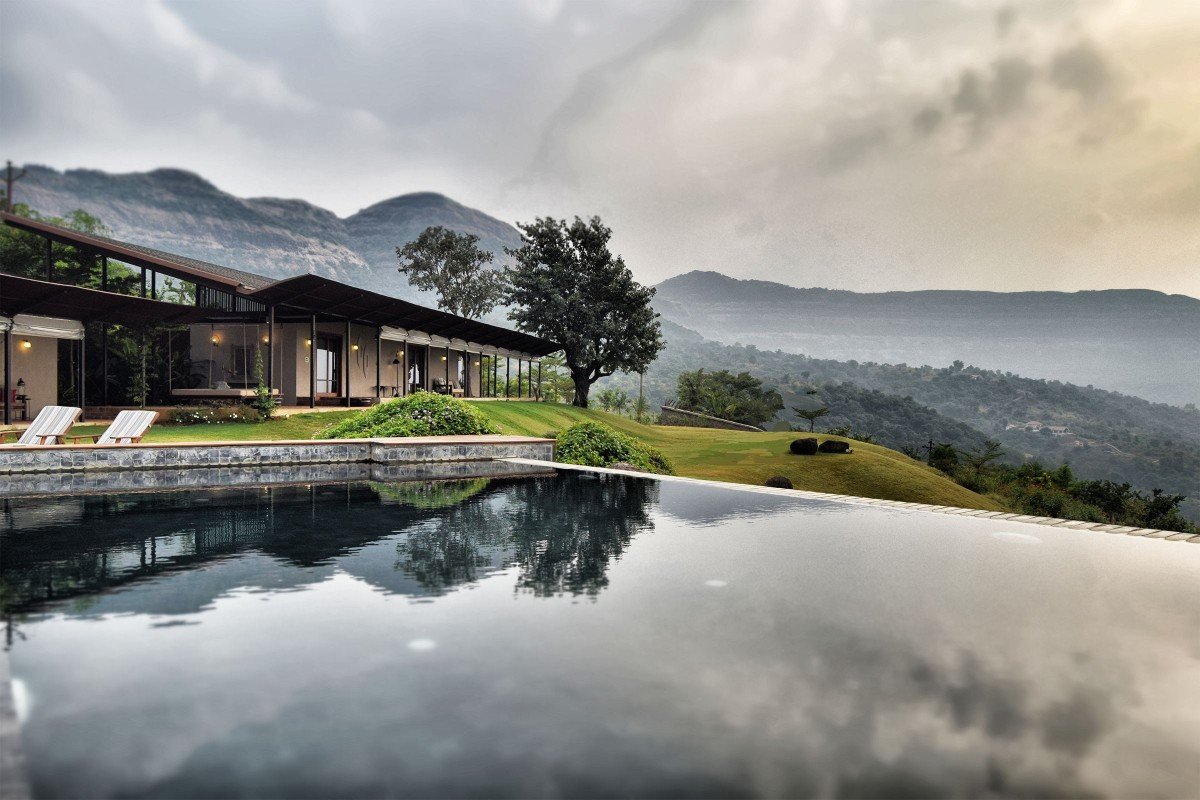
419 414
593 444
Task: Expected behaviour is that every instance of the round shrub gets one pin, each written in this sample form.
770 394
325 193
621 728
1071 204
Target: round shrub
779 482
420 414
593 444
804 447
834 446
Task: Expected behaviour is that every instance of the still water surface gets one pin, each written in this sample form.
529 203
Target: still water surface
589 636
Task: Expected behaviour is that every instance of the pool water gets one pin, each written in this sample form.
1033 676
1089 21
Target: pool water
586 635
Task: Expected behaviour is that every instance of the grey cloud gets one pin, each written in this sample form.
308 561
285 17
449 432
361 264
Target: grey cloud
1081 68
1011 78
849 146
927 120
1006 17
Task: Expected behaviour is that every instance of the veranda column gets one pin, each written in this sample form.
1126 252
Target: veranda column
507 375
271 348
378 364
82 374
539 392
346 369
405 367
7 377
312 363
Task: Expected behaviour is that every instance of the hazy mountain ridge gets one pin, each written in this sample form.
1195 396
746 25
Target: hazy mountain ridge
181 212
1134 341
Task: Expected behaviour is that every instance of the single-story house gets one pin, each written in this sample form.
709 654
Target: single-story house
321 341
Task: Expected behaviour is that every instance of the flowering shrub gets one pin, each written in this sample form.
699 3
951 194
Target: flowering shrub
211 415
593 444
420 414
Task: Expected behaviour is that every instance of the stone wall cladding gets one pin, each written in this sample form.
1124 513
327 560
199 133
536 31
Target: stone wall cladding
172 457
35 484
691 419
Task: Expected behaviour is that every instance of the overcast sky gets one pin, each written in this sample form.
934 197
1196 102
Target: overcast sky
862 145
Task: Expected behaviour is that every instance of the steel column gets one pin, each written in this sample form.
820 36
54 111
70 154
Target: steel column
404 366
82 374
271 348
8 377
346 367
507 375
378 363
312 363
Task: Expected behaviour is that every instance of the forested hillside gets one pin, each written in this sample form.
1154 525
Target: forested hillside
1109 435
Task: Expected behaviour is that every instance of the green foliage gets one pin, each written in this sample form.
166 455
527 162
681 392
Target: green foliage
740 397
557 385
615 400
811 415
943 456
594 444
568 287
452 265
419 414
264 402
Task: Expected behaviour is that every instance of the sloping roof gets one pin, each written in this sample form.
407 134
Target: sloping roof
312 294
303 294
28 296
171 264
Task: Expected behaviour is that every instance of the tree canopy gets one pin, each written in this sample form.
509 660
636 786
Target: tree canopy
740 397
451 264
568 287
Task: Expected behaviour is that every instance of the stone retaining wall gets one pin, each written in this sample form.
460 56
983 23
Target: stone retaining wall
175 456
692 419
35 484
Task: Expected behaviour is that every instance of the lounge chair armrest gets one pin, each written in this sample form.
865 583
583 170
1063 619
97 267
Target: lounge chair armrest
95 437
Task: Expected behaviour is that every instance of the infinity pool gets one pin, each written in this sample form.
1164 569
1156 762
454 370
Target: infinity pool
583 635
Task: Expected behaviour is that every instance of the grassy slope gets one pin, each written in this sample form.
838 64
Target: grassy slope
871 471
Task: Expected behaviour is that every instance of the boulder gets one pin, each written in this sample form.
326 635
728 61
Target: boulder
804 447
834 446
779 482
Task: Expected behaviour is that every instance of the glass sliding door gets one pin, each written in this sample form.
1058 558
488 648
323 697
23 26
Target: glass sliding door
328 353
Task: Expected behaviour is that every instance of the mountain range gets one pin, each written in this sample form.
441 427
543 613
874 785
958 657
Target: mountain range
1135 342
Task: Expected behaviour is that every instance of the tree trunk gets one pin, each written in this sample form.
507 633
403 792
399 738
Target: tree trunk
582 385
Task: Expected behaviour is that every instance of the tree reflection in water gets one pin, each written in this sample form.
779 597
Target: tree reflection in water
561 533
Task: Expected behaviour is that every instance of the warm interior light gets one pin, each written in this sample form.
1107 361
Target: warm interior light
477 363
443 358
266 340
215 340
308 342
354 347
25 343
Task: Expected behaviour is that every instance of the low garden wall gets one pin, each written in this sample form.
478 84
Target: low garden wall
692 419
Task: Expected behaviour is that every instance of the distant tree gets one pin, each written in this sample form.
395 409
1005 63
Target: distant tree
612 399
979 458
811 414
452 265
943 456
568 287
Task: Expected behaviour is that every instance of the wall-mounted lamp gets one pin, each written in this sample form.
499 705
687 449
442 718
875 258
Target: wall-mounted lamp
26 344
477 363
308 342
266 340
354 347
443 358
216 340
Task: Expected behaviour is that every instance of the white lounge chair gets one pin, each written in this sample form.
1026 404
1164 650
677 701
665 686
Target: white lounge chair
128 428
50 426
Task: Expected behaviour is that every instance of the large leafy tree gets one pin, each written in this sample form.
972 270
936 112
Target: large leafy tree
568 287
451 264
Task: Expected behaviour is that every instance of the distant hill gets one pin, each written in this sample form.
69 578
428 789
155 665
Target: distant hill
183 213
1137 342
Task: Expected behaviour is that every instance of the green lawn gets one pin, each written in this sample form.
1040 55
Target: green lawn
736 456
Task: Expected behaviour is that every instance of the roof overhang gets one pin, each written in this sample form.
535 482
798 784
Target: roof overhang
20 295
